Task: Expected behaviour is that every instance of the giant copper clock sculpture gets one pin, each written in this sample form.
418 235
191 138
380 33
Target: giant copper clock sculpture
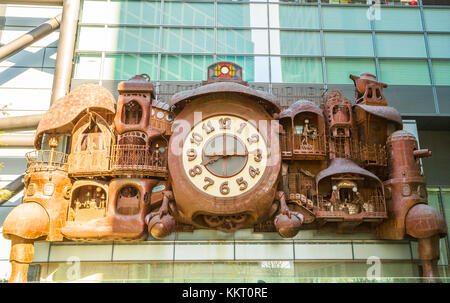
222 156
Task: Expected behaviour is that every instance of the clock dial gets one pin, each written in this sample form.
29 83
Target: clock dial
224 156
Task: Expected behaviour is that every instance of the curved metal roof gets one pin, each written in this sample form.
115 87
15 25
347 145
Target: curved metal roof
343 166
301 106
179 100
64 111
386 112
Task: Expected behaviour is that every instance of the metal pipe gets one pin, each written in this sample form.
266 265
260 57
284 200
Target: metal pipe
14 140
29 38
66 45
33 2
21 123
11 189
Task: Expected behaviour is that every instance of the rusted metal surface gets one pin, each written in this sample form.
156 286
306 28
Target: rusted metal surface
342 166
179 100
62 115
368 90
125 175
386 112
299 107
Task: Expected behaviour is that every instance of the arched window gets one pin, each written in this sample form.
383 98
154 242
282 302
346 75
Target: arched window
132 113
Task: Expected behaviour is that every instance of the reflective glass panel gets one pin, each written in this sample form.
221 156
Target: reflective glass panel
242 41
289 16
439 45
125 66
398 19
352 18
348 44
188 40
400 45
185 68
441 73
189 13
294 43
296 70
404 72
339 70
437 19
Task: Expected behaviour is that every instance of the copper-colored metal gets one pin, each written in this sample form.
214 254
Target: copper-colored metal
123 218
134 107
199 208
64 113
121 176
368 90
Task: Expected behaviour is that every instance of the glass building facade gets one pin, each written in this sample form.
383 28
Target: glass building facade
278 44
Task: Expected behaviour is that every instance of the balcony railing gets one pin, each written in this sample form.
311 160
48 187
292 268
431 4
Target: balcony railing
374 154
130 157
373 207
309 145
46 160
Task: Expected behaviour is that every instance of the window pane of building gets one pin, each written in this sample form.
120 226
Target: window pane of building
87 66
134 12
189 13
125 66
296 70
437 19
184 68
441 72
439 45
255 68
404 72
400 45
345 18
121 12
289 16
295 43
188 40
240 14
338 70
398 19
242 41
91 38
132 39
348 44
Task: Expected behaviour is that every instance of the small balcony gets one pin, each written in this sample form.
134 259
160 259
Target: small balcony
138 159
372 155
309 147
373 208
45 160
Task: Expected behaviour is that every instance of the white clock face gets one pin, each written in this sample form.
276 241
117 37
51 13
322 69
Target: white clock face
224 156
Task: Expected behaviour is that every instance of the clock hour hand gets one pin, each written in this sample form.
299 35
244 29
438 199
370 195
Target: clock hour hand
210 160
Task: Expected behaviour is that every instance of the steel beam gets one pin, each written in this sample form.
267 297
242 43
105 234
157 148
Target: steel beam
66 45
29 38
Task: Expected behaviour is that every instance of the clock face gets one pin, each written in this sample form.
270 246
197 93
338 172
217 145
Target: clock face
224 156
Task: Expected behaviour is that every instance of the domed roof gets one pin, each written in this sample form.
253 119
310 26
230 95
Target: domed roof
401 135
180 99
301 106
343 166
386 112
65 110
